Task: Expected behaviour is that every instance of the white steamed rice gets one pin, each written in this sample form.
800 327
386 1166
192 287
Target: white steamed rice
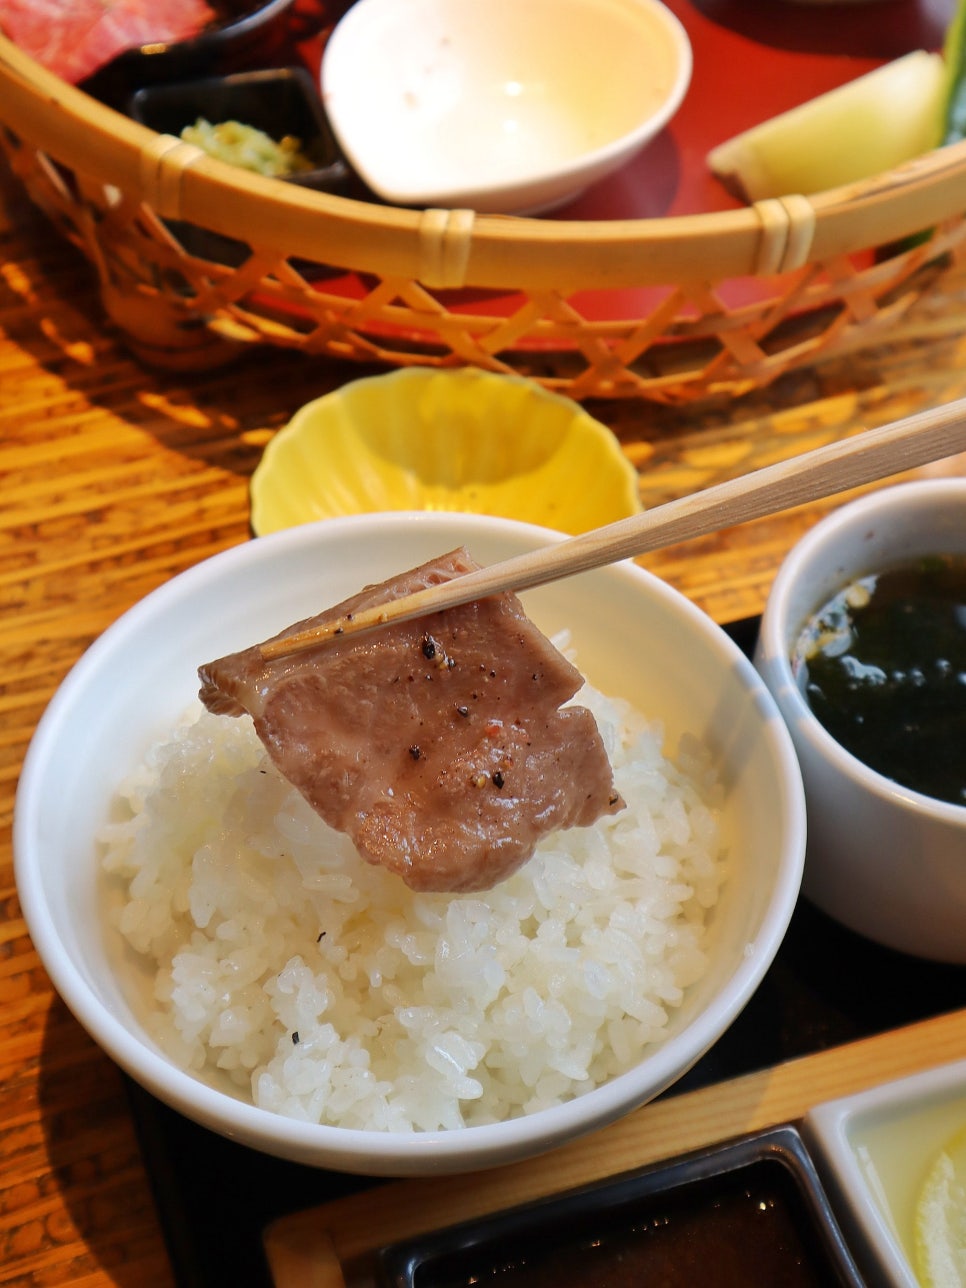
326 990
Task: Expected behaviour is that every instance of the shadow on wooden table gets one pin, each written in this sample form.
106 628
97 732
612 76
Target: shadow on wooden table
93 1154
50 307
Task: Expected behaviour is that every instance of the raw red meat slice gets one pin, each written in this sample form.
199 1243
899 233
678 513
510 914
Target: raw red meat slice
75 37
438 745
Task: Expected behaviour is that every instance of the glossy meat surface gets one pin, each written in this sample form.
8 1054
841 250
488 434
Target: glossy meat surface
438 745
75 37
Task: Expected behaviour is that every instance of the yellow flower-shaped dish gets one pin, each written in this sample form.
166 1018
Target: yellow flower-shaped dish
419 439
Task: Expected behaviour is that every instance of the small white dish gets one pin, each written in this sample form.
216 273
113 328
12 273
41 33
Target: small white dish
876 1148
512 106
882 859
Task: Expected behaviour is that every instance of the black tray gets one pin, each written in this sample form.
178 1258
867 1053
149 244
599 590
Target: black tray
826 987
756 1203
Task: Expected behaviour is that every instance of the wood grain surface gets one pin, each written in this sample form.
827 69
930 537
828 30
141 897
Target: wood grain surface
114 478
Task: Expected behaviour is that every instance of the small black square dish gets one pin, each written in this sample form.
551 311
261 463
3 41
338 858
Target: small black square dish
280 102
242 34
751 1212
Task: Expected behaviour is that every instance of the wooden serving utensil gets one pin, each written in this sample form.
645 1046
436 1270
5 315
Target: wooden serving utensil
863 458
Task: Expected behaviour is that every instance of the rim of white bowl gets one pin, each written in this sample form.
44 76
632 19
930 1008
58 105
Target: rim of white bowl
776 639
455 194
353 1149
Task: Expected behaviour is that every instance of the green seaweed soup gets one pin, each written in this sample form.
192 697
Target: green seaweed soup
883 667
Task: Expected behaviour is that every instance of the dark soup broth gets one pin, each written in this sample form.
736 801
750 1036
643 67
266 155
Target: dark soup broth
883 667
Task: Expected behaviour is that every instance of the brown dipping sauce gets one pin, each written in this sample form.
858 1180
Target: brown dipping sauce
747 1229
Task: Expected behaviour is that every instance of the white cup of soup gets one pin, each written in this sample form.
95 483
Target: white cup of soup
863 645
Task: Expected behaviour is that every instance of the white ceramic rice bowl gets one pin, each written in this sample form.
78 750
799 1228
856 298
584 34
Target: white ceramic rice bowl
634 636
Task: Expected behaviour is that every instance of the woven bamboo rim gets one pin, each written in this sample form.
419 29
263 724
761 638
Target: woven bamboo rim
112 185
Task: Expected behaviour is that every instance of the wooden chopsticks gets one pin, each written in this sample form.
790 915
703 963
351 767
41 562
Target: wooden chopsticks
863 458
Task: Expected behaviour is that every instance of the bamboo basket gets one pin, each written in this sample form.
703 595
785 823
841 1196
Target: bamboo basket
837 269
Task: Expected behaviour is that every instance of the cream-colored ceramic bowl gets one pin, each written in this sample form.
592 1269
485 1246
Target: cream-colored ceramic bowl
634 637
885 861
444 440
507 106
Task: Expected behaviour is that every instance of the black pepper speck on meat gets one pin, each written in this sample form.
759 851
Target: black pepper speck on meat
447 781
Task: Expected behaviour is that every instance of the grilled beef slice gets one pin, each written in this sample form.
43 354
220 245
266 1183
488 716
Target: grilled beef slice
438 745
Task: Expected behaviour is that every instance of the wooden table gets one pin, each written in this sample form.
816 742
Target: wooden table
115 478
